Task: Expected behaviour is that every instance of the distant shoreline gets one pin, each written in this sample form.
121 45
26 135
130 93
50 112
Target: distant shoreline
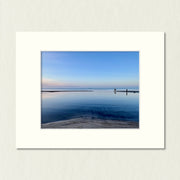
70 91
89 123
52 91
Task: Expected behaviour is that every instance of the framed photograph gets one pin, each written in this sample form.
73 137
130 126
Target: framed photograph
90 90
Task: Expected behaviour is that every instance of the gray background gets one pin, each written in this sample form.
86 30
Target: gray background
89 15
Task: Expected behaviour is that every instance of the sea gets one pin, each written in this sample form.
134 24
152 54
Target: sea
95 103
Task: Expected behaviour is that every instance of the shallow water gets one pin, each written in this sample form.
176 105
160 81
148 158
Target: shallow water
99 104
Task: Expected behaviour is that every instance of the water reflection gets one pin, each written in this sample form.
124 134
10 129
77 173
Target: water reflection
99 104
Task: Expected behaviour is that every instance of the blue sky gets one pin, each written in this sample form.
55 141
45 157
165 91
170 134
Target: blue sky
90 69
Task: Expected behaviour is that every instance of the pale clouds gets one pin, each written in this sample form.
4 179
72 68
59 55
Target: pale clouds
50 83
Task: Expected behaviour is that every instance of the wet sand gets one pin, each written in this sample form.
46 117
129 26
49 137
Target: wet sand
90 123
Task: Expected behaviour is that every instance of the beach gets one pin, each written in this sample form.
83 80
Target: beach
90 123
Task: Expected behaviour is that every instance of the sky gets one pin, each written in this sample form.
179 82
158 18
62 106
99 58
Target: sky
90 69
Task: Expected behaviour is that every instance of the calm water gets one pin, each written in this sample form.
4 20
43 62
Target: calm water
99 104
